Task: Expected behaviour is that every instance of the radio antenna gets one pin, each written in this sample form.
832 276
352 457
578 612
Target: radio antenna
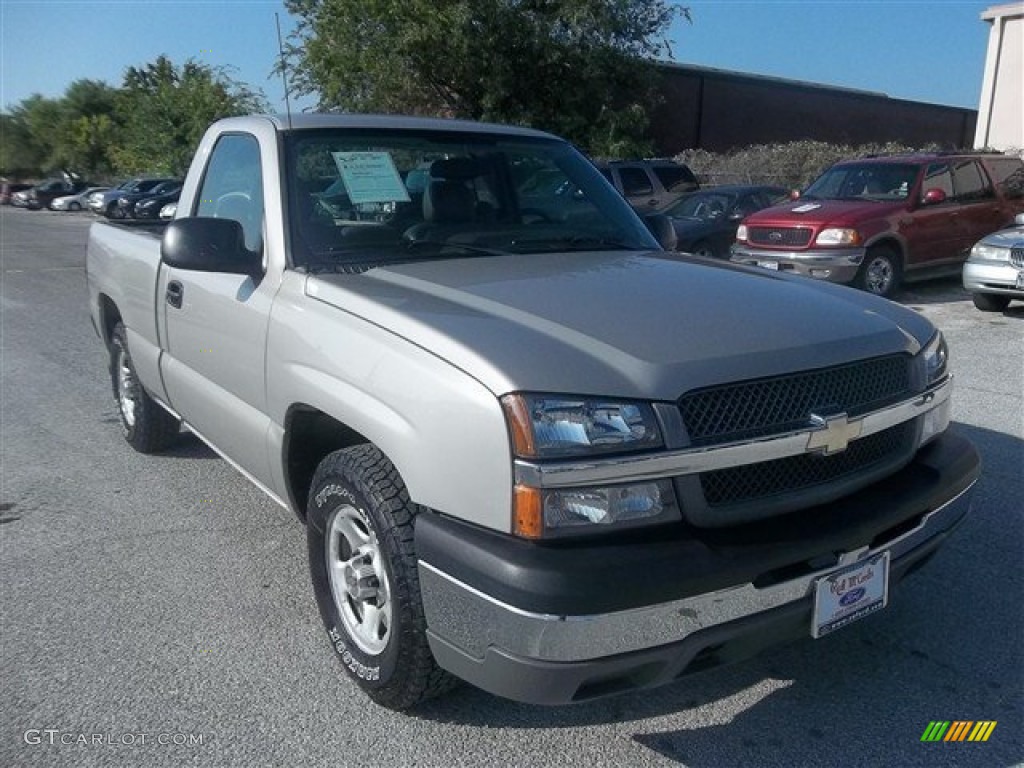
284 71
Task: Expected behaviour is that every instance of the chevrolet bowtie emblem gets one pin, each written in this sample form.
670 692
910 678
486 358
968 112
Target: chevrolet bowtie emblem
832 433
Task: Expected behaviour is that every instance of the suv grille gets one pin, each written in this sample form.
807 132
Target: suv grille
1017 257
785 403
737 485
795 237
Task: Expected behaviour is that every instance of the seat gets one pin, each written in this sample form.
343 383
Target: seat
448 204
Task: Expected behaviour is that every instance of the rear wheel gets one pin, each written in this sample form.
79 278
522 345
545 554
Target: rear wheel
365 577
703 249
880 272
73 206
988 302
146 426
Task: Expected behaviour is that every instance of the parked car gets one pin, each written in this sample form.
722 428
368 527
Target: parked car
649 184
8 191
106 203
706 221
127 200
41 195
994 272
878 221
75 202
150 207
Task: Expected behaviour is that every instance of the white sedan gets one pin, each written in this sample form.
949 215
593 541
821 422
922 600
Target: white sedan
994 272
75 202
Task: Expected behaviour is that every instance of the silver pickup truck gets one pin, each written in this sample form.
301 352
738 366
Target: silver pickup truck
532 449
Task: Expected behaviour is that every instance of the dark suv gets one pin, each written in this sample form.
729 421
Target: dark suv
876 221
649 185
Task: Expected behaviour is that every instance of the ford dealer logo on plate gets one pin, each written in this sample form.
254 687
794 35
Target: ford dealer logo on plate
852 596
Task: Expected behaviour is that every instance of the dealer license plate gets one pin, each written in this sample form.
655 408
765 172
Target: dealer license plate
1020 280
850 593
768 264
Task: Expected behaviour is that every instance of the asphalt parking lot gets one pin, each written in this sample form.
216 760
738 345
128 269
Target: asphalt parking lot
156 610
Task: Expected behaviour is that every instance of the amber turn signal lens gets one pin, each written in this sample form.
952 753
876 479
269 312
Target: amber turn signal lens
520 425
527 513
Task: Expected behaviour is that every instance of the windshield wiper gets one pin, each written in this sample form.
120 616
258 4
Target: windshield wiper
580 243
479 250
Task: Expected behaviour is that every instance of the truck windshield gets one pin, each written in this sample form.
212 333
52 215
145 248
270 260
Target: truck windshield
865 181
365 196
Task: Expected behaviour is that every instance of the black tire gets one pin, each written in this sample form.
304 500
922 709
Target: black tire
145 425
114 211
989 302
72 206
371 606
703 249
881 271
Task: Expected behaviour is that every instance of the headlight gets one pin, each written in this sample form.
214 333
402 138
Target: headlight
553 426
936 358
554 512
835 236
741 233
984 252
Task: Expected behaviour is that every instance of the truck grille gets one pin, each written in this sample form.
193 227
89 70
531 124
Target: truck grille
794 237
785 403
737 485
1017 257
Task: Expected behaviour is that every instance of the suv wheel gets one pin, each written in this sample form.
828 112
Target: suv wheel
880 271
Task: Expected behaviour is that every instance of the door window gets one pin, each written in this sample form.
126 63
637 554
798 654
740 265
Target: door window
938 177
233 186
970 183
635 182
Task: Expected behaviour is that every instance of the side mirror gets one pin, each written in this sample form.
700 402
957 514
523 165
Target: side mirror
209 245
934 197
662 229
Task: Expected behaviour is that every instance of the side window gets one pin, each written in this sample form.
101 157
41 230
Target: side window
635 182
674 179
970 182
938 177
232 187
1008 174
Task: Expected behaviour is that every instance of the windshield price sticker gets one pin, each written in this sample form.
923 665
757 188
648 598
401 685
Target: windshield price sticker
370 177
850 593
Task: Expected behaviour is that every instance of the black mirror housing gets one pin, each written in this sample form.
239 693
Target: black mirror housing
662 229
205 244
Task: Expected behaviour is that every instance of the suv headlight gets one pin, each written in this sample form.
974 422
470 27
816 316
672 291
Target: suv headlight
836 236
741 233
558 426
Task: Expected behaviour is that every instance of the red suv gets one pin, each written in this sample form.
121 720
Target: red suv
877 221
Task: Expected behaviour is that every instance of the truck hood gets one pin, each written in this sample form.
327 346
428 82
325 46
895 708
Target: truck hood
818 212
620 324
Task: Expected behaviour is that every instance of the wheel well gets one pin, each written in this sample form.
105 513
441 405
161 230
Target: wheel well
109 317
893 245
310 435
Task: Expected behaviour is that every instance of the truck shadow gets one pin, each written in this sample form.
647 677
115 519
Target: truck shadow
188 446
946 648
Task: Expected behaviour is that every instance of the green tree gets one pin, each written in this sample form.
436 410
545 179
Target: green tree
162 111
575 67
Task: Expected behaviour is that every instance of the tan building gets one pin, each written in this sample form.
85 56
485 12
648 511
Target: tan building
1001 111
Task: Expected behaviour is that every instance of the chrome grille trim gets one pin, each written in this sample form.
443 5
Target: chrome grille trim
687 461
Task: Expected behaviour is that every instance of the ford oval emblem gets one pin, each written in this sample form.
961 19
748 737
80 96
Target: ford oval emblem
852 597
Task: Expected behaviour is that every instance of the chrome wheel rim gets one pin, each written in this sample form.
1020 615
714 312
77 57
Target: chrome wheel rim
127 389
879 276
359 582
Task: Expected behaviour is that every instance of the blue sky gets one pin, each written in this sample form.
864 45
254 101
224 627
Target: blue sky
925 51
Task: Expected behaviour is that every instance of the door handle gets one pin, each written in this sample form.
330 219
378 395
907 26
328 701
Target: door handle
175 292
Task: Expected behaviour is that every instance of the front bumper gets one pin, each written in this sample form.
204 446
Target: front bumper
559 624
837 265
995 277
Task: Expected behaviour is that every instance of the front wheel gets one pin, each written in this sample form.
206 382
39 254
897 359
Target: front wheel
146 426
988 302
880 271
363 566
704 250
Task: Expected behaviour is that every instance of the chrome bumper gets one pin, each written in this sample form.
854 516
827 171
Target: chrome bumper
476 623
992 277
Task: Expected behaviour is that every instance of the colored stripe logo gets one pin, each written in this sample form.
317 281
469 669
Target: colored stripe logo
958 730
